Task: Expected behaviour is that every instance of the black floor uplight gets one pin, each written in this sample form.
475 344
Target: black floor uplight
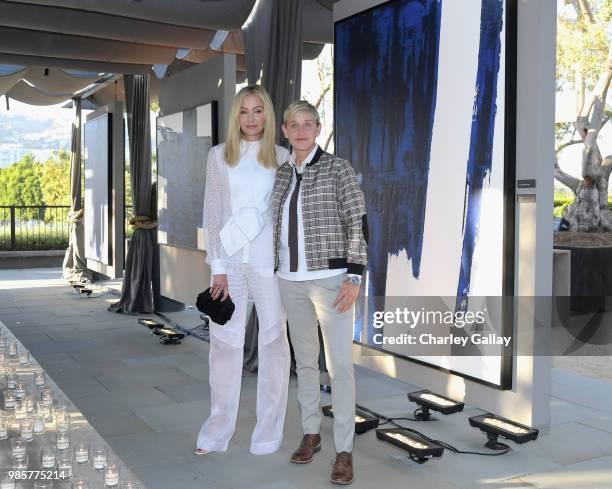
170 336
82 289
497 427
363 421
419 449
149 323
428 401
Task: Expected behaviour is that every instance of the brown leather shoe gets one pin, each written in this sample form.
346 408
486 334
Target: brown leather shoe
310 445
342 472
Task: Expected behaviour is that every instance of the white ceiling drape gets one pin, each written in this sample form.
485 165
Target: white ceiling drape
126 37
10 80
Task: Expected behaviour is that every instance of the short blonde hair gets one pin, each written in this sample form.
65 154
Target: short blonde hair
301 106
267 150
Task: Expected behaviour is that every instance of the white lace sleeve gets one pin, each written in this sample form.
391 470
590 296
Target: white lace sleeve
215 196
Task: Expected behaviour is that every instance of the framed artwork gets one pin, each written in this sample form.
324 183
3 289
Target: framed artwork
425 96
183 142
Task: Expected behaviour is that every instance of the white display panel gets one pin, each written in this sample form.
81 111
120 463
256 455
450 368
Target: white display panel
97 211
183 142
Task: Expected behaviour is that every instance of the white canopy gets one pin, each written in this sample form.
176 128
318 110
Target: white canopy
44 38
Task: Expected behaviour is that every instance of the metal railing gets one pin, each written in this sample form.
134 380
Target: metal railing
34 227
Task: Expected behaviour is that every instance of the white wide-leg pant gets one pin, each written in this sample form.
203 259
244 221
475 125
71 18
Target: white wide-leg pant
226 358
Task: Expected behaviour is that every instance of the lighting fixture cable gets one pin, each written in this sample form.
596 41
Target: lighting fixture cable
385 418
178 327
448 446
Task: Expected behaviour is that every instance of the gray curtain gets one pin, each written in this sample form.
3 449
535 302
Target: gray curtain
75 264
273 48
137 292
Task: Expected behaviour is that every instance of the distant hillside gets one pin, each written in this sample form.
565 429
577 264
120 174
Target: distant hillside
21 134
13 125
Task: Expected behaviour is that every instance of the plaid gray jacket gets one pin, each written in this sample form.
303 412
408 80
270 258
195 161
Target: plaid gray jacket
333 213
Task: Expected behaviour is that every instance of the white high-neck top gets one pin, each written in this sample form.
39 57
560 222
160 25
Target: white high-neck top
250 183
249 187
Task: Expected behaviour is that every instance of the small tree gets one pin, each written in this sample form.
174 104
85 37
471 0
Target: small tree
320 93
20 185
324 102
55 179
584 62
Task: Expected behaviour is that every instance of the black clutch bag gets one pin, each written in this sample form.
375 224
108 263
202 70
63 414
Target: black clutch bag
219 311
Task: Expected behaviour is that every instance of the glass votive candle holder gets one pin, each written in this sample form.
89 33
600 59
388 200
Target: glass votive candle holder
26 429
62 426
64 464
42 409
12 349
24 358
47 457
39 377
62 440
18 447
21 462
11 378
38 424
111 474
129 484
46 396
4 426
59 413
29 403
79 484
9 399
20 390
81 452
20 409
98 457
42 484
6 480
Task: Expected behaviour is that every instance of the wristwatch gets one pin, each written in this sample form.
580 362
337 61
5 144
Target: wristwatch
354 279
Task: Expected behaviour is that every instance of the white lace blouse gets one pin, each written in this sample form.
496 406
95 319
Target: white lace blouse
232 192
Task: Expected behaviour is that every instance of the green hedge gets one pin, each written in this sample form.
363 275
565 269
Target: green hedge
562 201
33 242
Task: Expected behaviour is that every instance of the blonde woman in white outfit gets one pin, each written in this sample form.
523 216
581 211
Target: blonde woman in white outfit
238 240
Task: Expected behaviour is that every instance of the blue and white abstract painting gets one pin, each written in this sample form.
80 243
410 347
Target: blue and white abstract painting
420 97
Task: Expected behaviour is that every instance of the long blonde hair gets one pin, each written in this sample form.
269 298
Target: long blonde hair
267 150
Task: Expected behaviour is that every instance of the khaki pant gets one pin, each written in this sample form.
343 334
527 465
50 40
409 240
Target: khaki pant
306 302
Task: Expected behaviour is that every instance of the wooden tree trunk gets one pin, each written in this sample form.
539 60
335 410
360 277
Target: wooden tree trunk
590 211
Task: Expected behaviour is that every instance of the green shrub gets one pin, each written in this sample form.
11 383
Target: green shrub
562 200
559 210
36 238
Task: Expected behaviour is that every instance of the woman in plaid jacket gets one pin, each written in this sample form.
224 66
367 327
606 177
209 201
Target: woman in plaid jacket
320 232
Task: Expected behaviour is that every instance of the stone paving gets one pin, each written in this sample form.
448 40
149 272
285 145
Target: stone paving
148 401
